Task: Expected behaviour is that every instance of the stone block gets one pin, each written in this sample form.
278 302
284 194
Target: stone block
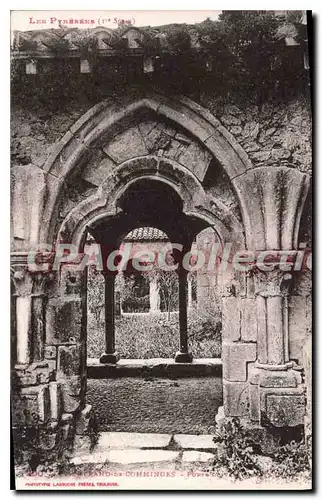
67 417
24 379
27 194
55 400
157 137
248 320
285 410
70 402
72 280
254 403
84 457
63 321
50 352
97 173
198 456
126 145
31 406
69 361
196 159
236 399
189 441
84 419
288 378
73 389
298 326
141 456
67 432
46 375
280 153
230 319
235 357
82 444
236 160
124 440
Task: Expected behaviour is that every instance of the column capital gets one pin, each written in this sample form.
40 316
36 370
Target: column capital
39 282
27 283
273 283
23 280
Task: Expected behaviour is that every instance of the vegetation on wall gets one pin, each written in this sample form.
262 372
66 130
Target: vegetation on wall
239 455
244 51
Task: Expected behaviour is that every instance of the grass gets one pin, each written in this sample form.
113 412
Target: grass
143 336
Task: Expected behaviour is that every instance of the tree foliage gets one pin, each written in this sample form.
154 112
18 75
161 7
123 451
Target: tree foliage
240 52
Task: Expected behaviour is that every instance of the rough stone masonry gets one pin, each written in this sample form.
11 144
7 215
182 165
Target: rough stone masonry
229 163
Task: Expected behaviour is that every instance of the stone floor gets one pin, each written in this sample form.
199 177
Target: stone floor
168 451
156 405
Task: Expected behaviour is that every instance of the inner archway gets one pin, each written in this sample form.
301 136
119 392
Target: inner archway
147 333
148 203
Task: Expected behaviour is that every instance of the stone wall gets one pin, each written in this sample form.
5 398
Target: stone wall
240 168
277 133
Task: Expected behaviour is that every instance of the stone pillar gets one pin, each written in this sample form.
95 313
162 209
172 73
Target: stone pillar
277 395
29 315
189 294
110 355
183 356
154 296
271 290
23 289
38 316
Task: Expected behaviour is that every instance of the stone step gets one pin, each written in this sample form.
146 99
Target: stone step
128 456
140 448
155 367
197 457
191 441
137 456
124 440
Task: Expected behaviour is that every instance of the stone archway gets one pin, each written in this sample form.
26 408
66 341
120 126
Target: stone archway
176 142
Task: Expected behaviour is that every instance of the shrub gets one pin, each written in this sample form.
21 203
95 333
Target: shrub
30 455
236 450
238 455
178 38
292 459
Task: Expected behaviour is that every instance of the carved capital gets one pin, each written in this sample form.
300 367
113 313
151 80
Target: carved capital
23 281
273 283
40 281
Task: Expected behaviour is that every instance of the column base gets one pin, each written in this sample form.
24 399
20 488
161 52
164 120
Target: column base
183 357
109 359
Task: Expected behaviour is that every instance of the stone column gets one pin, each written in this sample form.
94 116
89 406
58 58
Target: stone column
23 289
29 314
38 316
277 395
183 355
154 296
271 290
189 294
110 355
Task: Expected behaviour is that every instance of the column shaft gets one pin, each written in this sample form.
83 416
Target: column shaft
109 314
275 340
183 355
23 311
109 356
183 322
38 325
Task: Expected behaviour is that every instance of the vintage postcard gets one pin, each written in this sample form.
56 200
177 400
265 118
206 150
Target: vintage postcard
161 234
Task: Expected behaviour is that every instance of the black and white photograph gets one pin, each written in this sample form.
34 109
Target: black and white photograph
161 250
